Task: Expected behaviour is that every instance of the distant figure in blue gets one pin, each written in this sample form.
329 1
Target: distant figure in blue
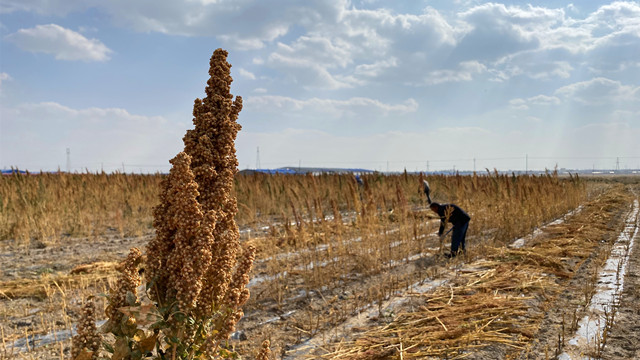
360 185
460 220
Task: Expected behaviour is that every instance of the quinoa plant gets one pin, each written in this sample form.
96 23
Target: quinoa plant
196 270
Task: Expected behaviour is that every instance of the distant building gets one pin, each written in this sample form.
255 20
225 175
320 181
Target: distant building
307 170
12 171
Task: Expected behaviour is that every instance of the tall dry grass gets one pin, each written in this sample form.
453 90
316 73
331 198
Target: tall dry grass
50 207
331 229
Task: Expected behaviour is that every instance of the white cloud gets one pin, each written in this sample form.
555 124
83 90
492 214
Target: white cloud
612 25
307 72
43 7
365 46
331 53
336 45
536 64
599 91
3 77
239 24
381 29
499 30
530 18
314 62
376 68
615 16
544 100
519 104
109 136
545 44
243 43
247 74
63 44
338 108
465 72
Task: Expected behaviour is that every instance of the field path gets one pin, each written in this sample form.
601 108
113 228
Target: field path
593 328
623 340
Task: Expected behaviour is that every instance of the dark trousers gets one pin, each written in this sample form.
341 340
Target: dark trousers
457 237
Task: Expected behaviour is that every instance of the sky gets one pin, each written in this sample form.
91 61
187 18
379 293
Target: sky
90 85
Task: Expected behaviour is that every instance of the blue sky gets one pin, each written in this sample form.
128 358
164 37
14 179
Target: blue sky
383 85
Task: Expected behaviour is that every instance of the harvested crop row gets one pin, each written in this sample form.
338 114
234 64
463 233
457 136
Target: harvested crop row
493 307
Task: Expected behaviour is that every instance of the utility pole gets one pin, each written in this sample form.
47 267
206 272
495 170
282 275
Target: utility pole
474 164
387 165
427 166
68 160
617 163
526 164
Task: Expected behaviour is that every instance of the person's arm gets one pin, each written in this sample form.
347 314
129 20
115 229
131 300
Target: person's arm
441 230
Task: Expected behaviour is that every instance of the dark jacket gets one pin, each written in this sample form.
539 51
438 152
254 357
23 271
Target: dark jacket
456 216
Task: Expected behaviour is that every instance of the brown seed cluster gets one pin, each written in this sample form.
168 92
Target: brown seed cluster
180 254
211 142
128 282
238 294
265 351
194 258
86 343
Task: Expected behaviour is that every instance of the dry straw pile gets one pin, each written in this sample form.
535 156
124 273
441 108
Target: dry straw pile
196 271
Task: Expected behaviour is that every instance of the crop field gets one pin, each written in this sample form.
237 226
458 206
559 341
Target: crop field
346 270
319 180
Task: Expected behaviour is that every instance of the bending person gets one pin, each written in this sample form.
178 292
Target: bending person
460 220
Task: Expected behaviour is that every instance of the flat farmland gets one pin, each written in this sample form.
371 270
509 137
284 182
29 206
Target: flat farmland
347 270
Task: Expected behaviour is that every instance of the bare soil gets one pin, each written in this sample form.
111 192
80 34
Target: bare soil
624 339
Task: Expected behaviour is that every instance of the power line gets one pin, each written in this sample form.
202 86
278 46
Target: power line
466 164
